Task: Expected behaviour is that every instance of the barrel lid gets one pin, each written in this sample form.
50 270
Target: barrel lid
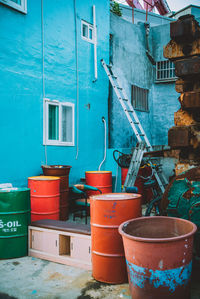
3 190
116 196
99 171
44 178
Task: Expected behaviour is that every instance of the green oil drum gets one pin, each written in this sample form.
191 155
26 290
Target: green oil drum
14 221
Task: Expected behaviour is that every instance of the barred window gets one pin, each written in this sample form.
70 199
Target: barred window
139 98
165 71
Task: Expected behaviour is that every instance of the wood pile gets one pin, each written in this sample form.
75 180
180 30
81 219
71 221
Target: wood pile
184 51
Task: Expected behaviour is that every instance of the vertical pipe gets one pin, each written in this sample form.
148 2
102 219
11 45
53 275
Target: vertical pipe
105 144
77 83
132 15
95 43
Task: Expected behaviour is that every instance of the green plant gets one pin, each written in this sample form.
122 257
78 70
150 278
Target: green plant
115 8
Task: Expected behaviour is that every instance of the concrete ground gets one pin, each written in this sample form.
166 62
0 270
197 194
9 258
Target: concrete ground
28 277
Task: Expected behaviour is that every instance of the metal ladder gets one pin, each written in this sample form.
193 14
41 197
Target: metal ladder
132 117
134 166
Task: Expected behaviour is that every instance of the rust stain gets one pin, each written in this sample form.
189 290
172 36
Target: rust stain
56 276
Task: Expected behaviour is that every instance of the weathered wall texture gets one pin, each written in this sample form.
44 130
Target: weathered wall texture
132 66
21 115
139 15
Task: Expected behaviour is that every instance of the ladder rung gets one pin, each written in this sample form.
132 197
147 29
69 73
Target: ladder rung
114 76
136 123
142 134
119 87
125 100
109 65
128 110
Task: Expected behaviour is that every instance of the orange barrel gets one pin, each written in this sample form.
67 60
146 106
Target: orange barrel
64 198
99 179
45 196
159 256
108 211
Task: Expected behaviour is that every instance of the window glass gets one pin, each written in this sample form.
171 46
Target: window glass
85 30
90 33
53 122
66 124
17 1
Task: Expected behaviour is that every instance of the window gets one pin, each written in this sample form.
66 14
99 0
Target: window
87 31
58 123
165 71
20 5
139 98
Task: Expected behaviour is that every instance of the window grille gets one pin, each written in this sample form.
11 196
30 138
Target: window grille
20 5
139 98
165 71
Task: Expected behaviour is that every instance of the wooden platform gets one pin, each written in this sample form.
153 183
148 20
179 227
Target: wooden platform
62 242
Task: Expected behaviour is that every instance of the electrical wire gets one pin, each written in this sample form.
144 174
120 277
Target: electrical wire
43 75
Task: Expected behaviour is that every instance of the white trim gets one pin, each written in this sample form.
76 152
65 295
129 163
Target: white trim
89 26
20 7
46 141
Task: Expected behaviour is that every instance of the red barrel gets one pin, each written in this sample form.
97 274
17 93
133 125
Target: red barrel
159 256
99 179
45 197
64 198
108 211
61 171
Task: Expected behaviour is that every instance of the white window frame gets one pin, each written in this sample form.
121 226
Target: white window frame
20 7
165 68
89 26
46 140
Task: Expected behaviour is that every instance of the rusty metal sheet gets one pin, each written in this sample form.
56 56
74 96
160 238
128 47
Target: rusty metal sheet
190 100
183 85
179 137
183 118
184 136
188 67
185 29
174 51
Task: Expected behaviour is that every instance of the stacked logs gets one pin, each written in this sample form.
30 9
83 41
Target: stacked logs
184 51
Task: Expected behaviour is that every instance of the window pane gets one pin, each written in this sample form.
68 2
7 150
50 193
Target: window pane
90 33
85 30
66 124
53 122
17 1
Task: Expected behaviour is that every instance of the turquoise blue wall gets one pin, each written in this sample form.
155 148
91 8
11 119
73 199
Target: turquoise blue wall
140 16
132 66
21 115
